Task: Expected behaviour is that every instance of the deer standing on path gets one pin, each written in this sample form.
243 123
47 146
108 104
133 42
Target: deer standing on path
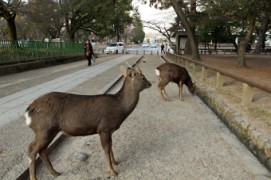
169 72
80 115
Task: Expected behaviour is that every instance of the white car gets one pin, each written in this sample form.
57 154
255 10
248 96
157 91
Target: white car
117 47
153 45
144 45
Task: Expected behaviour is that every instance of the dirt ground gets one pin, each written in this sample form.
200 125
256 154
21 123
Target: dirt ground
258 68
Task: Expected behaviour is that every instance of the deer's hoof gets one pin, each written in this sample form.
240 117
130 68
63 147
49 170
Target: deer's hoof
115 162
113 173
33 178
55 173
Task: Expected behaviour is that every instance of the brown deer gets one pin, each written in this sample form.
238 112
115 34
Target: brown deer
169 72
80 115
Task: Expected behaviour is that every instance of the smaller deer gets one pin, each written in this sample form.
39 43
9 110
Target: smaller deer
80 115
169 72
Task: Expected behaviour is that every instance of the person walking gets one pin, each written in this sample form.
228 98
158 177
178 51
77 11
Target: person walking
162 48
88 51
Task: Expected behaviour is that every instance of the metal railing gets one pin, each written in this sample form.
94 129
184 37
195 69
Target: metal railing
33 50
247 83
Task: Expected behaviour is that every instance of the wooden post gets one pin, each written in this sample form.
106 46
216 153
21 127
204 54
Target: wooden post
179 61
247 94
204 71
187 64
219 81
194 68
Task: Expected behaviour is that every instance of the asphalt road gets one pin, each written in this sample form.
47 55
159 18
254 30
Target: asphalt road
159 140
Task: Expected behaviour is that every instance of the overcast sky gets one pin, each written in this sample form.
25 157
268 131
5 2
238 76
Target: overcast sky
151 14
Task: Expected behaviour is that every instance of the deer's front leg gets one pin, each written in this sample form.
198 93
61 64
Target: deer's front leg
106 141
180 85
112 156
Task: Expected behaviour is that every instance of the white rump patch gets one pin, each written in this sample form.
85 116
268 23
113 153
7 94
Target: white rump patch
27 119
157 72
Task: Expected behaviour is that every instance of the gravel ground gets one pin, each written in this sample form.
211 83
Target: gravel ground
159 140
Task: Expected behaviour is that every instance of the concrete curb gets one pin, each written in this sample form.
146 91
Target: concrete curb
257 142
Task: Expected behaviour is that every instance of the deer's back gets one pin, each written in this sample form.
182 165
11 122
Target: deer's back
173 73
75 114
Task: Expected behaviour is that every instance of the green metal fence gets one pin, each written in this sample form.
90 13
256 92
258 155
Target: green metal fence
35 50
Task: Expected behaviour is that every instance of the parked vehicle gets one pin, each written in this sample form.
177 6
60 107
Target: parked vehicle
117 47
153 45
145 45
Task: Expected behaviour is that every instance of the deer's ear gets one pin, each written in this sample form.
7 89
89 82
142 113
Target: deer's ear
138 70
123 70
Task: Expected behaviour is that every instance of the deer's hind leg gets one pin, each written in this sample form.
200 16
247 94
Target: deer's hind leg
44 156
32 153
161 87
39 145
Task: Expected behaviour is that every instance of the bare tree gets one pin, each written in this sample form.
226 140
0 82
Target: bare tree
47 17
8 10
161 28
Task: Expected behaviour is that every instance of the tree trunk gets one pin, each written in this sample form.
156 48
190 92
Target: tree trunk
9 16
242 53
190 34
70 31
118 37
187 48
12 28
71 36
261 37
242 46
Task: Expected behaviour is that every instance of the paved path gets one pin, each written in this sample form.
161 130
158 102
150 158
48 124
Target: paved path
159 140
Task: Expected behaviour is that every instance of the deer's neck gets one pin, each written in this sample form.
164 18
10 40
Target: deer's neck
128 96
